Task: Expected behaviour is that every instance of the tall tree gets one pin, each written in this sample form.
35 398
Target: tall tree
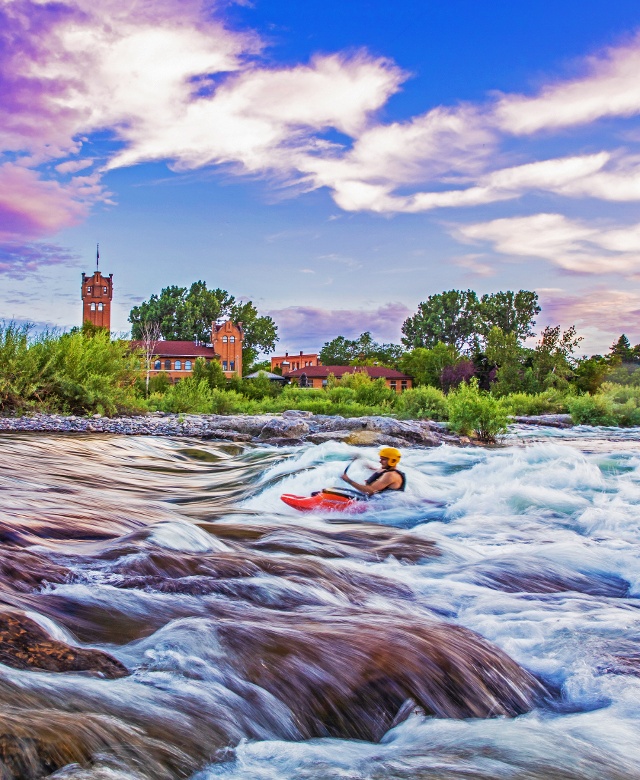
621 350
449 317
184 314
509 311
363 351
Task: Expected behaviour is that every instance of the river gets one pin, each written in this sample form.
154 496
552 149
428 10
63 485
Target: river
483 625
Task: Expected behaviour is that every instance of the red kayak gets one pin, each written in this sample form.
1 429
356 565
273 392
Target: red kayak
328 500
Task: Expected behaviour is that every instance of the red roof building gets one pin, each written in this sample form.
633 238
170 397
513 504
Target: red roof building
317 376
292 362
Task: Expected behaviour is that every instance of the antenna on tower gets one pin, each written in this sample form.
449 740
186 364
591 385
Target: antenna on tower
97 256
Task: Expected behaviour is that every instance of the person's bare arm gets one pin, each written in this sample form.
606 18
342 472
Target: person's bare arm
386 480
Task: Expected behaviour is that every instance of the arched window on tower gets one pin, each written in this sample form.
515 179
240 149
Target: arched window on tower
100 307
93 307
224 339
232 339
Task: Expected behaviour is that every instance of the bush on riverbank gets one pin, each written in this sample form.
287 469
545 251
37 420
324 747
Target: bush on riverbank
80 372
472 410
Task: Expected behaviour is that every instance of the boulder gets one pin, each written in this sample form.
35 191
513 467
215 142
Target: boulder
284 429
322 437
24 644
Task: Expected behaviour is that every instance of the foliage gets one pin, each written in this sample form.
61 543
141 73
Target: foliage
552 359
422 403
522 404
622 351
426 365
211 371
459 319
472 410
449 317
363 351
513 313
260 387
188 396
159 383
261 365
185 314
452 376
503 351
592 410
590 373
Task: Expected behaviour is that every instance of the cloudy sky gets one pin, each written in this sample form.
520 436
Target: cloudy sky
335 162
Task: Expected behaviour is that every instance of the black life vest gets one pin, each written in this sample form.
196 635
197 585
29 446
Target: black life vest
378 474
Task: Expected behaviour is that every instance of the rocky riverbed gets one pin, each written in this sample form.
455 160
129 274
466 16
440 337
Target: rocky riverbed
289 428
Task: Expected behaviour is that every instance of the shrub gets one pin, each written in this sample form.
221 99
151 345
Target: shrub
422 402
550 402
592 410
472 410
455 375
189 396
159 383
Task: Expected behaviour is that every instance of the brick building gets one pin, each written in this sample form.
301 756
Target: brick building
96 293
289 362
317 376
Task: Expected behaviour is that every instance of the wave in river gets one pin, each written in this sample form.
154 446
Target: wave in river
482 625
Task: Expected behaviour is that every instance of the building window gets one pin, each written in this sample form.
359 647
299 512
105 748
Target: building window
393 385
187 365
104 289
157 365
224 339
100 307
167 365
309 382
88 289
232 339
403 384
93 307
324 382
224 365
178 365
232 365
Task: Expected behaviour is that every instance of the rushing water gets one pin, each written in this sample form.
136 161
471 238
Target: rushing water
265 644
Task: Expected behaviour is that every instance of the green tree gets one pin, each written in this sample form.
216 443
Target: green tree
511 312
185 314
363 351
426 365
211 371
504 352
621 351
450 317
552 360
590 373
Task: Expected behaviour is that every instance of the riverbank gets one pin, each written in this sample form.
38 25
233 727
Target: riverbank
292 427
289 428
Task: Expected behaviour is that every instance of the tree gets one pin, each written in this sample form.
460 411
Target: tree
552 359
503 351
363 351
149 337
450 317
621 351
186 314
211 371
590 373
509 311
426 365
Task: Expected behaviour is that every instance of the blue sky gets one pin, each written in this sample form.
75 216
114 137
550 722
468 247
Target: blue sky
336 163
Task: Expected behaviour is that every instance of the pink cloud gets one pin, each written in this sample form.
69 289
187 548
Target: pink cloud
31 207
306 327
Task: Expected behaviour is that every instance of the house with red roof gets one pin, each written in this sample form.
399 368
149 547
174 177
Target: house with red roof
317 376
177 358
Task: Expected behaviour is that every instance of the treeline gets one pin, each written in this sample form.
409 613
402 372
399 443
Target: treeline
456 335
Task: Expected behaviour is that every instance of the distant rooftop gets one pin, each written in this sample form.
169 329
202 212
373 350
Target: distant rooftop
375 372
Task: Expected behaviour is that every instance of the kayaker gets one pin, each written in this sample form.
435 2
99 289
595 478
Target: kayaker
388 478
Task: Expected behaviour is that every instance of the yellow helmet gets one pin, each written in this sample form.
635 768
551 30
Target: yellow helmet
391 454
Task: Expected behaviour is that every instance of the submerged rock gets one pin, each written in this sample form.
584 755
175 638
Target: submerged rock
24 644
351 677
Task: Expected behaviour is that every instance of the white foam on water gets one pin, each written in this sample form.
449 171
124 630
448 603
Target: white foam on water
184 537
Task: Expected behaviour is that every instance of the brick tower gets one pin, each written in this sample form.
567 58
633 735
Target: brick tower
97 292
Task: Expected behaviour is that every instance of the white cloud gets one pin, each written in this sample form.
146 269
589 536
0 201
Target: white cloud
610 88
572 245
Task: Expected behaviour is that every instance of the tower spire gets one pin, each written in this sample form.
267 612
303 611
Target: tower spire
97 256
